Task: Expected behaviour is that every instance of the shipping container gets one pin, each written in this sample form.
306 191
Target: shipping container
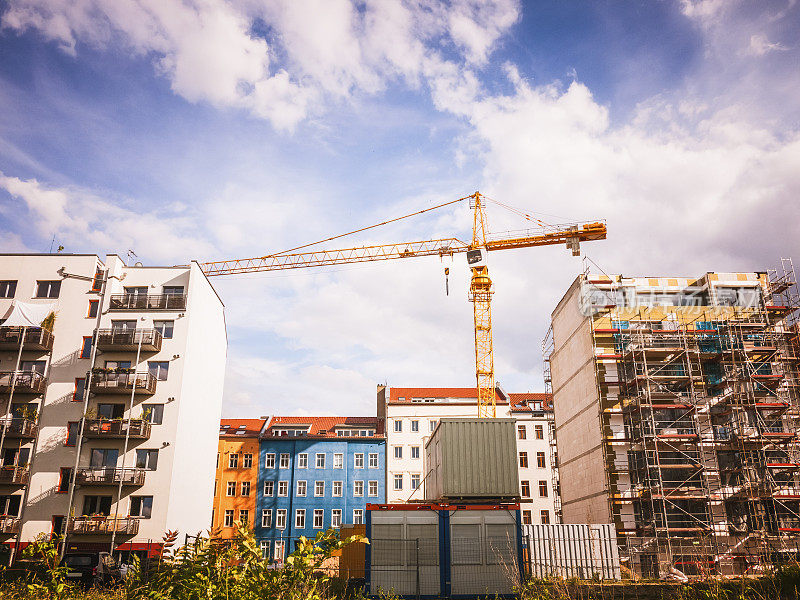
572 550
471 459
443 550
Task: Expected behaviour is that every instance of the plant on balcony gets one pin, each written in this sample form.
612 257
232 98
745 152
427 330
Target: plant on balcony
49 321
90 414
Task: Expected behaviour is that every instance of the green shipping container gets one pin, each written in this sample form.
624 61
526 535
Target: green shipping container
472 459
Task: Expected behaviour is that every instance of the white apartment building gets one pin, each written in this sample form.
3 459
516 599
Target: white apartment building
127 386
412 414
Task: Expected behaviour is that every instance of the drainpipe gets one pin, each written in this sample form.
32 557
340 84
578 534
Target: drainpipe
290 514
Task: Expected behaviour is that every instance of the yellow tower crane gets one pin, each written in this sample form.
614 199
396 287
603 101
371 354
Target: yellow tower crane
480 290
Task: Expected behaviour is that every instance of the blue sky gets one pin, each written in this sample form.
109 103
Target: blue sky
229 128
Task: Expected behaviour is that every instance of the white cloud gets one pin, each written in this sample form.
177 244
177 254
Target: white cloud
760 45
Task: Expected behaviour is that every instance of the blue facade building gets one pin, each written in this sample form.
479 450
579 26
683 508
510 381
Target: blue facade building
316 473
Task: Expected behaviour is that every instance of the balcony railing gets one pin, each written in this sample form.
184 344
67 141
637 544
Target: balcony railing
18 428
147 302
9 525
103 526
28 382
117 429
12 475
35 339
129 339
109 476
122 382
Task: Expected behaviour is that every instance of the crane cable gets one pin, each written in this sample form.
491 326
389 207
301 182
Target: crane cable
419 212
520 213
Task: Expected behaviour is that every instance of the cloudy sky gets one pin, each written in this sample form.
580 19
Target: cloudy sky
211 129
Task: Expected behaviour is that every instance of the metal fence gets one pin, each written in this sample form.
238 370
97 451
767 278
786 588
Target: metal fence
571 551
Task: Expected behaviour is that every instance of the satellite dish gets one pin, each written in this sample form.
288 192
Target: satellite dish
138 264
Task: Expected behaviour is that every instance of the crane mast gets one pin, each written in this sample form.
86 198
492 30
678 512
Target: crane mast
480 289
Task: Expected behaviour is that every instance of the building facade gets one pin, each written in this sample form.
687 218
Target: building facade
111 432
411 415
316 473
236 476
676 404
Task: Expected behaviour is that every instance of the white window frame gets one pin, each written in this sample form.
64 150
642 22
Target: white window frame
300 518
233 461
338 460
336 518
280 517
319 461
413 450
358 489
302 460
269 460
264 545
302 484
247 461
266 518
373 460
285 486
358 457
340 485
269 489
398 425
284 464
318 514
245 486
415 425
372 489
418 477
228 518
319 489
397 452
358 516
398 477
231 485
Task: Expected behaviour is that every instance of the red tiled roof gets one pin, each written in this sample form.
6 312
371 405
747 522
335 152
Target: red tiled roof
407 394
519 402
252 427
328 424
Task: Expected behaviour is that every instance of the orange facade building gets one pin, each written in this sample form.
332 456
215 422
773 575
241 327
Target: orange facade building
236 475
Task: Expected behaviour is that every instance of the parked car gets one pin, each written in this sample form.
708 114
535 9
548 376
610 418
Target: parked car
92 569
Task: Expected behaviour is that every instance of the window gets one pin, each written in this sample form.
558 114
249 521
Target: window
154 413
283 489
136 291
245 488
228 518
244 516
398 452
320 461
80 388
358 516
302 461
269 488
64 475
173 290
97 282
266 518
432 425
141 506
147 459
541 460
539 429
398 481
336 517
415 481
372 489
319 515
319 488
86 347
358 488
284 462
415 452
95 505
110 411
523 460
280 546
300 518
522 432
373 460
165 328
526 517
526 488
48 289
545 517
301 488
358 460
280 518
338 461
217 467
415 426
247 461
264 546
398 425
94 305
233 461
8 289
231 488
72 433
269 461
158 369
337 489
543 489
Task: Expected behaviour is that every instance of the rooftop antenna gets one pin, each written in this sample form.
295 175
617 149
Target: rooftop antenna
131 254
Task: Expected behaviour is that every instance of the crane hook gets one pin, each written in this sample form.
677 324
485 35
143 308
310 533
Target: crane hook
447 281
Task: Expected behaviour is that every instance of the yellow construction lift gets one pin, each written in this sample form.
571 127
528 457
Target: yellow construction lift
480 290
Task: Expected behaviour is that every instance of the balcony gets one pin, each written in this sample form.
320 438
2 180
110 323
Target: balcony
9 525
35 339
122 381
107 429
147 302
12 475
19 429
109 476
127 340
28 382
103 525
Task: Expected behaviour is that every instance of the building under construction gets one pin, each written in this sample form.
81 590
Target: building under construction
677 409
